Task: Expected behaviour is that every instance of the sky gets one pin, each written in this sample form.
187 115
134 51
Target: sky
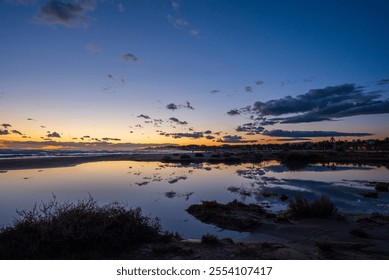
116 74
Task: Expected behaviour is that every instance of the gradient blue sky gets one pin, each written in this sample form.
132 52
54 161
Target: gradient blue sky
78 68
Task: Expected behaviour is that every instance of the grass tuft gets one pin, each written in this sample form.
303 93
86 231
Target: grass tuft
322 207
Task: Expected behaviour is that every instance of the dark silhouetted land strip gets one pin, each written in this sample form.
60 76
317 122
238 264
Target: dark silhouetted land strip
292 159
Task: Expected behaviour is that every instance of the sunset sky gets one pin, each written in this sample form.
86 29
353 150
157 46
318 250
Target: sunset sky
108 74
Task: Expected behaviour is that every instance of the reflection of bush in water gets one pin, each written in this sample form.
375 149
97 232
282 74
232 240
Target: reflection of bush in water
299 160
296 165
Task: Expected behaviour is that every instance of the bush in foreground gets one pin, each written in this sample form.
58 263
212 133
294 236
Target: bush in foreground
322 207
82 230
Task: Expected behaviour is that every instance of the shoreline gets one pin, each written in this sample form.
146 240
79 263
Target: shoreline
293 159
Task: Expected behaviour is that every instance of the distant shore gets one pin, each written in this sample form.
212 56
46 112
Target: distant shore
293 158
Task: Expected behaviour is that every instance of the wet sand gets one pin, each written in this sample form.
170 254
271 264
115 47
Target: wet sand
342 237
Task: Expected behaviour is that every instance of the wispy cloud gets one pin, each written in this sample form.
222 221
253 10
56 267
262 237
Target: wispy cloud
121 7
64 13
177 22
143 116
195 33
259 82
16 132
21 2
234 139
129 57
4 132
311 134
93 48
176 4
175 120
383 82
194 135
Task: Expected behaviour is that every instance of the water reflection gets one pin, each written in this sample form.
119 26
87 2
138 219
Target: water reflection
166 190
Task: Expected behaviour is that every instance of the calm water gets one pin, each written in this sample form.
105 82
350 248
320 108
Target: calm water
166 190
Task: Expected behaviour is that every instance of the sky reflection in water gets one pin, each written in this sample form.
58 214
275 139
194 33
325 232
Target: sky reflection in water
166 190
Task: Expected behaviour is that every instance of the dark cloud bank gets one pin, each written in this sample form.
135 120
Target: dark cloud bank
326 104
70 14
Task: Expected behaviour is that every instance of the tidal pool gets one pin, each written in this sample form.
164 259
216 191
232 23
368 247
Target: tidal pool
166 190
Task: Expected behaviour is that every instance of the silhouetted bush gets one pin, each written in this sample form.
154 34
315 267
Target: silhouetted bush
322 207
82 230
382 187
210 239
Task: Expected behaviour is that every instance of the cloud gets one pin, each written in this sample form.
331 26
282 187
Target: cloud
309 80
234 139
194 135
293 139
208 132
177 22
129 57
30 119
178 121
172 106
93 48
311 134
259 82
214 91
6 125
143 116
176 4
53 135
194 33
188 106
4 132
248 89
252 128
210 137
21 2
383 82
121 7
16 132
111 139
233 112
328 103
64 13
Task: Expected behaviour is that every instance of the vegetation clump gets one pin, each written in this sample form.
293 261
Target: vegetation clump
82 230
382 187
210 239
322 207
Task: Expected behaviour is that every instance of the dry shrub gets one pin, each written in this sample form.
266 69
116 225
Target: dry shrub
82 230
322 207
